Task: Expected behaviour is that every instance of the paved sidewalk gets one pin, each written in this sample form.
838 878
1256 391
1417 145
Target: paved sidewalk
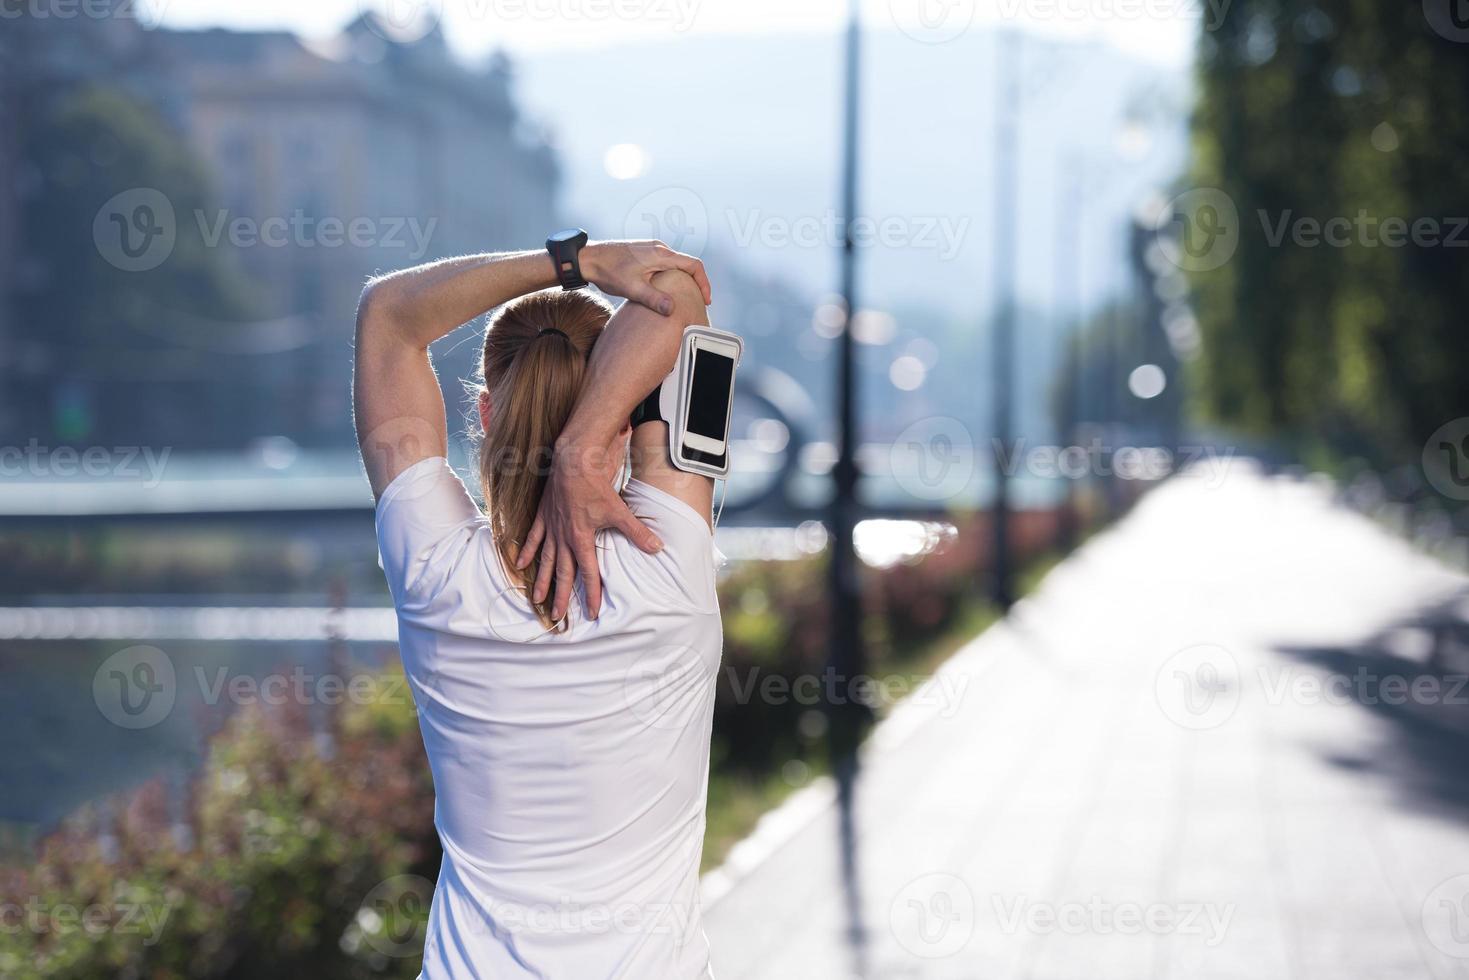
1186 756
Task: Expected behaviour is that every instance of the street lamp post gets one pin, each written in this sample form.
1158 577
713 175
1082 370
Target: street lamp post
1006 125
846 656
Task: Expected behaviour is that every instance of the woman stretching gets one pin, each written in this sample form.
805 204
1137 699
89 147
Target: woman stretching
567 730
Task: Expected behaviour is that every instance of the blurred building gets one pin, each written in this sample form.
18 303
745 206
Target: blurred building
344 158
323 162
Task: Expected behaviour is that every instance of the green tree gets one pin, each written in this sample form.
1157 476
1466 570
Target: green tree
1344 109
102 342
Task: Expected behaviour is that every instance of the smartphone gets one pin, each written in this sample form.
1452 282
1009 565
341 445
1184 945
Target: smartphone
710 400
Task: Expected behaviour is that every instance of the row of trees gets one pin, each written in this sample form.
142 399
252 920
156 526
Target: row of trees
1350 110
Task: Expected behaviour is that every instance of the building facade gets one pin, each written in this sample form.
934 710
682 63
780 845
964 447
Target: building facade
332 161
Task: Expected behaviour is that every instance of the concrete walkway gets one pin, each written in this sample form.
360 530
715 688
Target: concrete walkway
1205 748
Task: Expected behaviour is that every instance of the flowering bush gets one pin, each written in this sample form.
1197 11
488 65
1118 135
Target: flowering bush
276 862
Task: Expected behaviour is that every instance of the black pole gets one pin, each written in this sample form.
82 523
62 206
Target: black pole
846 659
1069 282
1006 93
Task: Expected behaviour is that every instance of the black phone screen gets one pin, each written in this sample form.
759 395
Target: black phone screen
709 394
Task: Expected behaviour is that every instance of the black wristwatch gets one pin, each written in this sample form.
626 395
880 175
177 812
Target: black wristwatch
565 247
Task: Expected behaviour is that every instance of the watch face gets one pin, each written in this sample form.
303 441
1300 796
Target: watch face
567 235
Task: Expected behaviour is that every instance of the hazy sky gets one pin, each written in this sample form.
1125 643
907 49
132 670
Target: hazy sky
1158 30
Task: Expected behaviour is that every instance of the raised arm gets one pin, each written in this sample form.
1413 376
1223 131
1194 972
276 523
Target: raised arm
396 402
634 354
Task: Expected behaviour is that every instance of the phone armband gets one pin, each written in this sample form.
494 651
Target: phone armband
696 400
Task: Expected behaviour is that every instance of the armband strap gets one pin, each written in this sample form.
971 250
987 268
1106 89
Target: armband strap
647 410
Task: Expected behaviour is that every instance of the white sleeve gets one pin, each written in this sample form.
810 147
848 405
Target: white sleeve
684 571
423 517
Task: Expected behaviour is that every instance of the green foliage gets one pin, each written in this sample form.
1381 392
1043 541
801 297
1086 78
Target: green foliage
115 333
290 835
1334 109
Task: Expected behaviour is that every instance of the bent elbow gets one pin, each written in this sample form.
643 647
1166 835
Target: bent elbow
374 307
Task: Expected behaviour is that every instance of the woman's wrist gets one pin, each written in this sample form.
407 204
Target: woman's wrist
589 259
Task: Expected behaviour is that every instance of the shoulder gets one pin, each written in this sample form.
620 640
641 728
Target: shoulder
424 516
685 569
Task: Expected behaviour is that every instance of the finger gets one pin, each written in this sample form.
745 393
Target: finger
637 532
565 579
645 295
544 570
591 579
695 268
531 543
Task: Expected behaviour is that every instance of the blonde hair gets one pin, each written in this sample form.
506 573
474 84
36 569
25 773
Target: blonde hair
533 364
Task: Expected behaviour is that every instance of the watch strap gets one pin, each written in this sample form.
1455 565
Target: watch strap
566 255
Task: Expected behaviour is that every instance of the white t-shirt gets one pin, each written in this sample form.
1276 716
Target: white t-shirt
570 769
